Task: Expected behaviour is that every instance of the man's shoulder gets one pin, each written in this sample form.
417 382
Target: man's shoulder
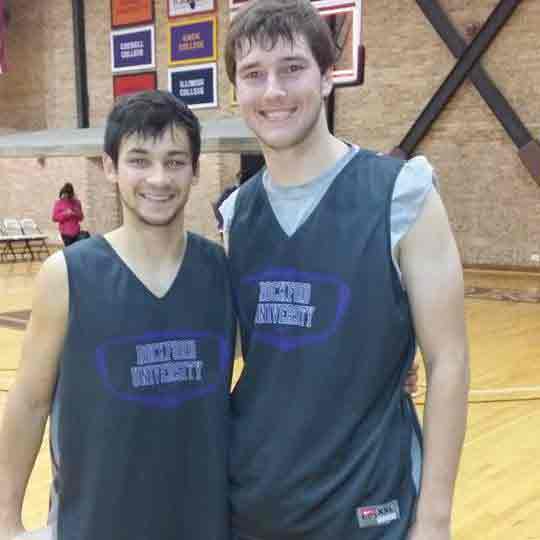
89 255
206 248
375 169
380 159
91 246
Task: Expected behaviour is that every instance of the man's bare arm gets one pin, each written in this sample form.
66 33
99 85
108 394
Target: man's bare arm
433 278
29 399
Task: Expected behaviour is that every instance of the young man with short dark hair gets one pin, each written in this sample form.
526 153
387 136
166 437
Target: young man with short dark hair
341 260
129 348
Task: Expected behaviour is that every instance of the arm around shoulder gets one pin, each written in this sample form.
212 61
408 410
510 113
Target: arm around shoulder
29 400
433 278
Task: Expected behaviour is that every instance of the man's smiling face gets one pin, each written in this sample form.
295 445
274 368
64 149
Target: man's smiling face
154 176
281 91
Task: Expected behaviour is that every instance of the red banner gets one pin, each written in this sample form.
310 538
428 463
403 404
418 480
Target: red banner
128 12
3 37
129 84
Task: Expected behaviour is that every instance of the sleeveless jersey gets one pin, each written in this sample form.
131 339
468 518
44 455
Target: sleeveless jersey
140 421
325 444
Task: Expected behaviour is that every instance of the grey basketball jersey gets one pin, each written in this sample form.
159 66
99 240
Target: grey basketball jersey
325 444
140 423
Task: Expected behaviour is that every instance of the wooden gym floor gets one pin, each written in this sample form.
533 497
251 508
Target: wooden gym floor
498 489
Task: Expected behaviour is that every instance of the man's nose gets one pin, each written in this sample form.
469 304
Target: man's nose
274 86
158 175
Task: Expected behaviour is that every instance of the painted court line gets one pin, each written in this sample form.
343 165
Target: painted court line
13 319
512 390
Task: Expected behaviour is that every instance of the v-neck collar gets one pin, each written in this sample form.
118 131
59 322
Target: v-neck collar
138 280
274 219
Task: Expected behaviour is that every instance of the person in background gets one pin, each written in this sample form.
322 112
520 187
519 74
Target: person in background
68 214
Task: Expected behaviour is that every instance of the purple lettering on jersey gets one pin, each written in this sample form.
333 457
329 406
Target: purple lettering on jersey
288 314
164 369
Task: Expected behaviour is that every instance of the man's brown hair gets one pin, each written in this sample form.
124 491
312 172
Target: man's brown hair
265 22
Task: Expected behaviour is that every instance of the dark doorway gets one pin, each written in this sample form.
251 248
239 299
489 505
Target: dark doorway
250 164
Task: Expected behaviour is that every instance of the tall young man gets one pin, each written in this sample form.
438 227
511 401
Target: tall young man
341 260
130 346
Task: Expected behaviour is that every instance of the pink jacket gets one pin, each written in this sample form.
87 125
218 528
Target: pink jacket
68 213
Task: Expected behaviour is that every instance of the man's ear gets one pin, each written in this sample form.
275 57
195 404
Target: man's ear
327 82
109 168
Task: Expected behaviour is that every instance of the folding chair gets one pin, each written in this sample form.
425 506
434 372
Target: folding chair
15 242
4 243
36 240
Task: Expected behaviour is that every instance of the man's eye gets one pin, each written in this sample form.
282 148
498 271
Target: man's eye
253 75
293 68
138 162
175 164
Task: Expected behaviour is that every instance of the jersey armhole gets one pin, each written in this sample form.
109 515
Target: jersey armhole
411 189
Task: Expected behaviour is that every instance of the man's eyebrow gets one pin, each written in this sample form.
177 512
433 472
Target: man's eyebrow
294 59
247 67
180 153
254 65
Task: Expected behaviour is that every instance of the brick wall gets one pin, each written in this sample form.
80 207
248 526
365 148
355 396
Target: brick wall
98 51
59 57
23 88
493 202
29 189
102 208
38 92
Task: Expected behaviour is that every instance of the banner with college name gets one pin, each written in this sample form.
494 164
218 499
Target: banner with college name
178 8
195 85
124 85
193 41
133 49
129 12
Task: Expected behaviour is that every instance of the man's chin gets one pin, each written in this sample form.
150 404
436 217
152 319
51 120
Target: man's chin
158 222
152 218
282 140
280 143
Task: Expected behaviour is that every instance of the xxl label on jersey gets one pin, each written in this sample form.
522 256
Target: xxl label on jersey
294 309
375 516
163 369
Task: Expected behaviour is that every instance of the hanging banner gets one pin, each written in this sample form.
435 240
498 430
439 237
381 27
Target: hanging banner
129 12
178 8
195 85
124 85
193 41
133 49
3 37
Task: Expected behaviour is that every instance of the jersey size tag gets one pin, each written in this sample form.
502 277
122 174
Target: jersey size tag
375 516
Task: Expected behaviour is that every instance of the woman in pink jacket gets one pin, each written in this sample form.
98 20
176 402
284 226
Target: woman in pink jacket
68 214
